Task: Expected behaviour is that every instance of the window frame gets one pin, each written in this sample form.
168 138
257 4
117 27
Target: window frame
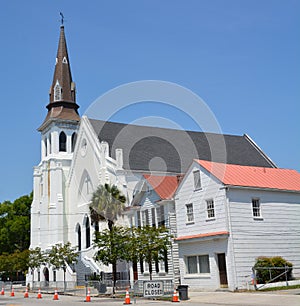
189 210
153 216
198 271
138 219
145 217
197 180
210 209
57 92
62 142
256 209
160 216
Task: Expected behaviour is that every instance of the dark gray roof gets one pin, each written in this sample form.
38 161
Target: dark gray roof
159 149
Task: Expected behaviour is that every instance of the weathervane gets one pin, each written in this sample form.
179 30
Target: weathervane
62 18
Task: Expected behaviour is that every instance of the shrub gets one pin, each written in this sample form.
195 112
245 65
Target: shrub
263 274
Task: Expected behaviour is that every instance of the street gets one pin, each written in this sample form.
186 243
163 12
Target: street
276 298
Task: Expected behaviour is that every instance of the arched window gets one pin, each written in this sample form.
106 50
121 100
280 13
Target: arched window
50 145
57 91
46 274
74 138
46 146
62 142
87 232
78 230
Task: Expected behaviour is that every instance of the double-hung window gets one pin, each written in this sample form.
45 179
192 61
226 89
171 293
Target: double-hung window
138 219
256 211
160 215
210 207
145 217
189 212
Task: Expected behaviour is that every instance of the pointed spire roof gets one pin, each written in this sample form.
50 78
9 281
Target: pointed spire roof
62 95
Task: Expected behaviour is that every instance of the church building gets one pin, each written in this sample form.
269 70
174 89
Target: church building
79 153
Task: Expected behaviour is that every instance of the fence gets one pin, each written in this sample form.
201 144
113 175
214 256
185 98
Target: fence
96 287
277 276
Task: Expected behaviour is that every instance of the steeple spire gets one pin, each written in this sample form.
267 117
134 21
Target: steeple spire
62 95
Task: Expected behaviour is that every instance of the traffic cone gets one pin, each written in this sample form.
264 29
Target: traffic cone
26 294
12 292
55 297
88 296
2 291
175 297
127 298
39 296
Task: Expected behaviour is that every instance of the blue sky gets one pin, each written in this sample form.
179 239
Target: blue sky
241 57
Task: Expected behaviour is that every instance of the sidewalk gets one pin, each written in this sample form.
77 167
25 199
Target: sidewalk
275 298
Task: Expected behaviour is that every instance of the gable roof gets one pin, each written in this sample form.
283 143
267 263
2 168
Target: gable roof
257 177
164 186
171 151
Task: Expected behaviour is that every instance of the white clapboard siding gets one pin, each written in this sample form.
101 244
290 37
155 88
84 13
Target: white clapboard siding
277 233
202 281
186 194
149 201
211 189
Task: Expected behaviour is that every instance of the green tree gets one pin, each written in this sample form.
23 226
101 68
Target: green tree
149 244
111 247
60 255
107 204
14 265
15 224
36 259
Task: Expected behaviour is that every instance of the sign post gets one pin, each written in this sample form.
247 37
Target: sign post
153 288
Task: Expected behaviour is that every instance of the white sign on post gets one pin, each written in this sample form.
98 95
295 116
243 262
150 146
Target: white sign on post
153 288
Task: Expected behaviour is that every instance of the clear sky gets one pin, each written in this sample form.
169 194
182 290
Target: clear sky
241 57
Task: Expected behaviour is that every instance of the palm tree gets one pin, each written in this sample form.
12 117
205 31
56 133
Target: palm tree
107 204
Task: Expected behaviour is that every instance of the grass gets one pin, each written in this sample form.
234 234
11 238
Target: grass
280 288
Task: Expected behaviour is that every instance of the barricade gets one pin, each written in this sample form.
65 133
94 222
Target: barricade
139 289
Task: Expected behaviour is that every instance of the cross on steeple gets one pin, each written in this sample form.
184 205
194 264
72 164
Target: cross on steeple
62 18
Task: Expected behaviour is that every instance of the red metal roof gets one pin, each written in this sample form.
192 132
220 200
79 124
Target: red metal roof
249 176
213 234
164 186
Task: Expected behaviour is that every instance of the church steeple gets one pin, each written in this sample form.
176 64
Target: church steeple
62 95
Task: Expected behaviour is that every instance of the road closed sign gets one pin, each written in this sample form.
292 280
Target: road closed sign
153 288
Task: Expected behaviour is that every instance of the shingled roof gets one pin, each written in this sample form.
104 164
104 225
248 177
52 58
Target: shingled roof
172 151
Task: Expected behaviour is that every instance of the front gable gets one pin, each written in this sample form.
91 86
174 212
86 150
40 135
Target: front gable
200 207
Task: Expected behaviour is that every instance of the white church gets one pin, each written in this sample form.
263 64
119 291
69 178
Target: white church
79 153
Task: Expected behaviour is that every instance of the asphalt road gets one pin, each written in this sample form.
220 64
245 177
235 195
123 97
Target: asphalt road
278 298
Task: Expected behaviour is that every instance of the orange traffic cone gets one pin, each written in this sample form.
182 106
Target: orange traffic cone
175 297
2 291
39 296
55 297
12 292
26 295
127 298
88 296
